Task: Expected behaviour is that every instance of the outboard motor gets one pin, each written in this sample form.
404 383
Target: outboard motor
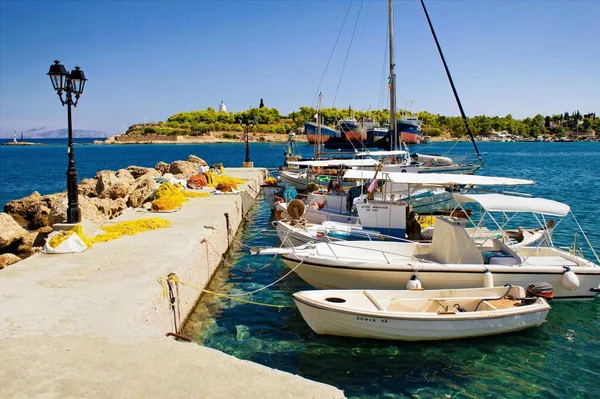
538 290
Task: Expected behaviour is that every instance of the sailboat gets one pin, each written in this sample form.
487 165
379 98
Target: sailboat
408 129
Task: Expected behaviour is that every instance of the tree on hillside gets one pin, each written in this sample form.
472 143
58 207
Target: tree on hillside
587 125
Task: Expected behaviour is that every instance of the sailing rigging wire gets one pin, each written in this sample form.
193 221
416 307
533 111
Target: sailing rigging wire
384 100
360 40
331 54
460 107
347 52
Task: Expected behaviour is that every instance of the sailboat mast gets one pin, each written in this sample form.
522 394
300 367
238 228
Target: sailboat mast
460 107
319 126
393 127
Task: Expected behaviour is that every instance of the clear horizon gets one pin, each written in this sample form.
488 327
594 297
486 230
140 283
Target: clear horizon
146 60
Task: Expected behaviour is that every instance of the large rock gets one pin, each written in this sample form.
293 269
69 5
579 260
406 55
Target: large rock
10 231
8 259
86 206
27 245
152 173
24 207
197 160
120 189
87 187
105 179
162 167
138 171
183 169
110 208
125 175
110 185
34 211
41 217
143 191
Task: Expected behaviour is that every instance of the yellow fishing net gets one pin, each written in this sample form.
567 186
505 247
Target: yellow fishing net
59 238
191 194
271 181
111 232
223 181
426 221
130 228
169 197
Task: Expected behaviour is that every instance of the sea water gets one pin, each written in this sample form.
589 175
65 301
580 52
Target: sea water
559 359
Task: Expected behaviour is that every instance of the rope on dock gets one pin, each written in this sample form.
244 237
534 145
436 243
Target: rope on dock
173 278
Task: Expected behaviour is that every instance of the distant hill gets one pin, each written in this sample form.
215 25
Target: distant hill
49 133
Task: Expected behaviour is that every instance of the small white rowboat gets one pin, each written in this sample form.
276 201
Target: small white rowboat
421 315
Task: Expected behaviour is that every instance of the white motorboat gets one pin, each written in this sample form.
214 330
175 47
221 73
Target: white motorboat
293 234
452 260
321 171
421 315
386 211
396 161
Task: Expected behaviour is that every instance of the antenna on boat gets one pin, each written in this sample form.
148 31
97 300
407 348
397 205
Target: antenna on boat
462 112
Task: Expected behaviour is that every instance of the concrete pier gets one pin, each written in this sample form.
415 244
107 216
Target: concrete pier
93 324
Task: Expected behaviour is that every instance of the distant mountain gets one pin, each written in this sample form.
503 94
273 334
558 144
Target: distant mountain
49 133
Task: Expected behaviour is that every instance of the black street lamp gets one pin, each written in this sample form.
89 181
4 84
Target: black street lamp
248 163
71 84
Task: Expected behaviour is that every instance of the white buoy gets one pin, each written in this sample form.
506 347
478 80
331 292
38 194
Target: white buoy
413 283
488 279
570 280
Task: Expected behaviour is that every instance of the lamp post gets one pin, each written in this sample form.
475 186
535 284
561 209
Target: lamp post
247 163
72 85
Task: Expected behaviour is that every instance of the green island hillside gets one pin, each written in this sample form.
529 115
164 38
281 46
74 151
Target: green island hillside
269 121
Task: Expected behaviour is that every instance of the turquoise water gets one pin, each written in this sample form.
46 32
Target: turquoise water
557 360
560 359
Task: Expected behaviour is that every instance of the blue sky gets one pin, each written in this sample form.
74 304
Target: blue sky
146 60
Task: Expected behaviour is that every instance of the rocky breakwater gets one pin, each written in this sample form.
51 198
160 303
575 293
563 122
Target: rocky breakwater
26 222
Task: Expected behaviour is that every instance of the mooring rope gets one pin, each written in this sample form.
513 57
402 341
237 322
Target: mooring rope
172 277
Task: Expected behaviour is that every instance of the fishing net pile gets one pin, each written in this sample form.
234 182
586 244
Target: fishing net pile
271 181
169 197
216 180
130 228
111 232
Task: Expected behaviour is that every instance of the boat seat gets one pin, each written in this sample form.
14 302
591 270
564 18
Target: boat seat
374 301
402 305
548 261
451 244
507 250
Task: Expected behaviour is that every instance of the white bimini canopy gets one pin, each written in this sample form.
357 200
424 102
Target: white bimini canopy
437 179
336 162
508 203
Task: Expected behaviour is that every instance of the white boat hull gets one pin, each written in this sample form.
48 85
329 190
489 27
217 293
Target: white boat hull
446 276
342 319
452 260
